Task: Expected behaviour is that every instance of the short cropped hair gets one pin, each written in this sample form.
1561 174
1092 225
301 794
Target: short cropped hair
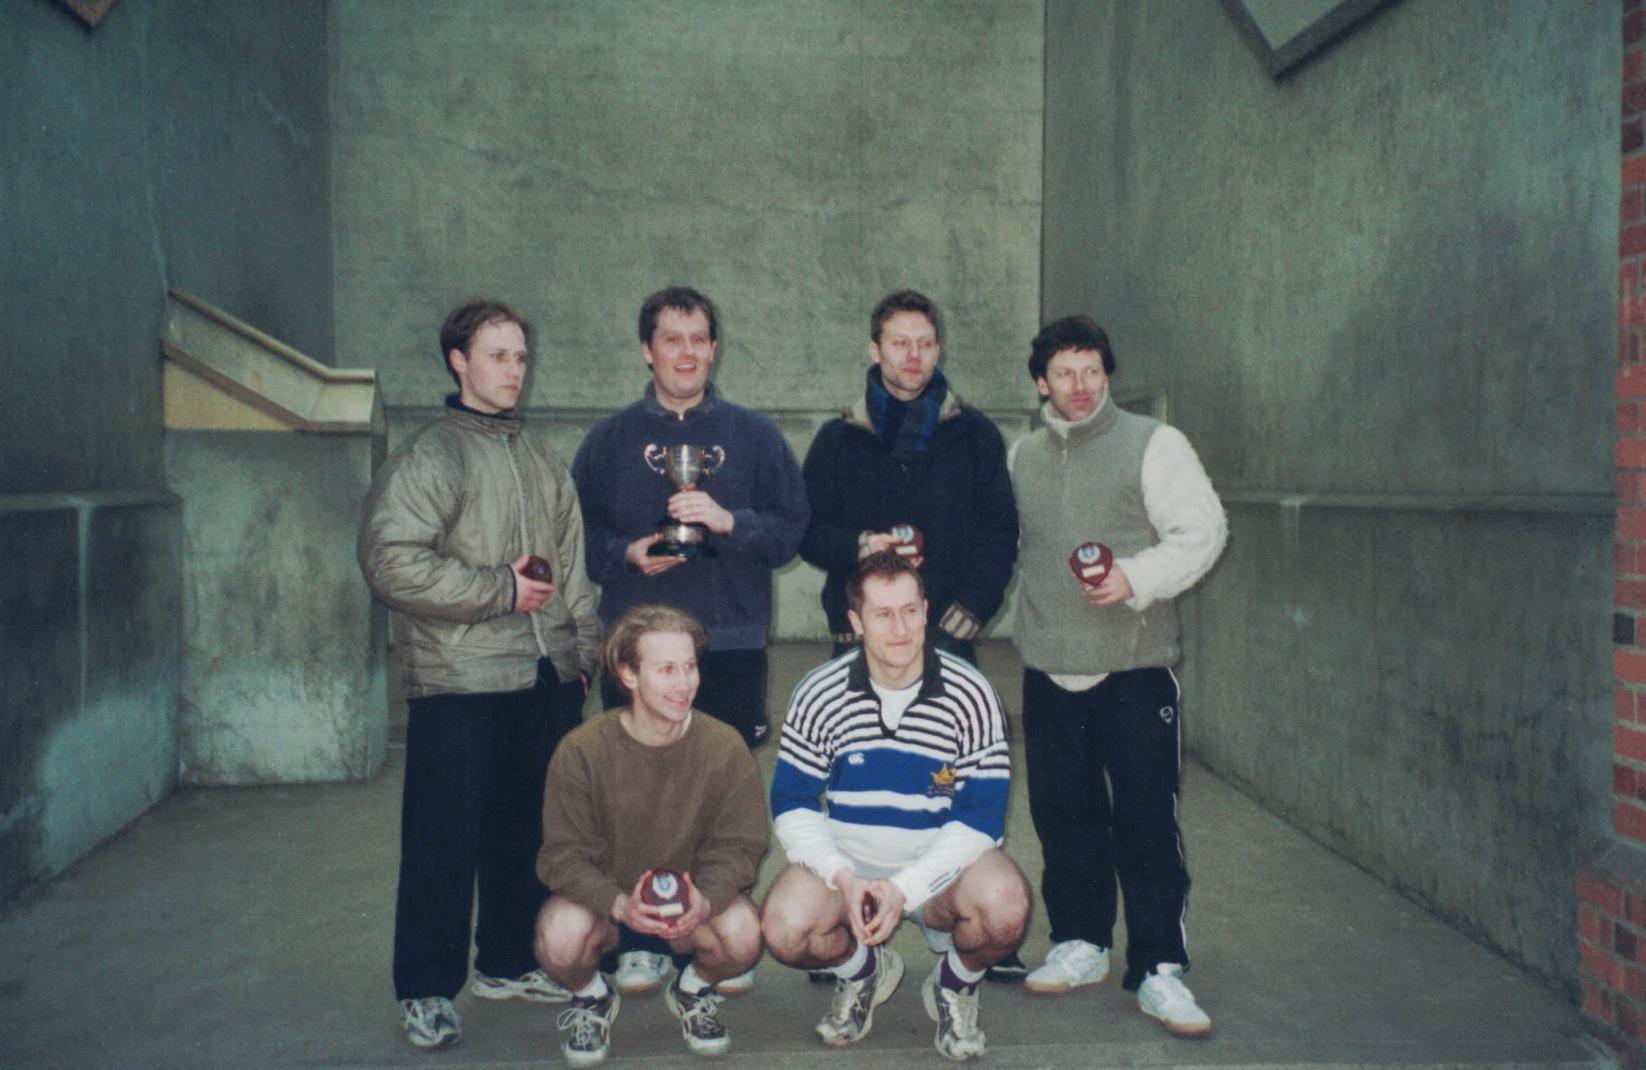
904 301
622 643
1070 332
880 565
465 322
682 299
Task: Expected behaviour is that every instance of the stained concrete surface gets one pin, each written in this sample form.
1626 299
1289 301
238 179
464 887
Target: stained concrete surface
251 927
90 635
283 674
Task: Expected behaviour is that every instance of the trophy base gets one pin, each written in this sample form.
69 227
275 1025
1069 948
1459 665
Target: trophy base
681 540
681 549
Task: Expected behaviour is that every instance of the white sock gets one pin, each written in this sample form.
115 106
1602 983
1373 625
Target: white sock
854 962
960 969
691 982
595 989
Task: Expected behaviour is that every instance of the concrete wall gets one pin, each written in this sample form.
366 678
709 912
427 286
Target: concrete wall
794 161
181 143
1379 296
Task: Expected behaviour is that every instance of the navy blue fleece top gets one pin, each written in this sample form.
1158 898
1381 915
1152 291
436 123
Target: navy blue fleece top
623 499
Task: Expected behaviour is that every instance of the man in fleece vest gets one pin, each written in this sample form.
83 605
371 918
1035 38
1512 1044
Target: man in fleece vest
1098 641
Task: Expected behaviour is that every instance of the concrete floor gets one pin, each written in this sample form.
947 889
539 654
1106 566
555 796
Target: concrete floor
251 927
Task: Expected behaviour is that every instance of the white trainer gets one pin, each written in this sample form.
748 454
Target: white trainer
740 985
1069 964
640 971
1163 995
431 1022
536 986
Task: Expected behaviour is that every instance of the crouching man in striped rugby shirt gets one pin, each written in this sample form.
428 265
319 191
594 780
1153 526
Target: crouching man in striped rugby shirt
908 746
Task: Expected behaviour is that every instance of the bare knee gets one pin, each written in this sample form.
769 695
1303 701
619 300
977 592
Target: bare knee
785 928
994 897
797 909
1004 907
565 935
737 930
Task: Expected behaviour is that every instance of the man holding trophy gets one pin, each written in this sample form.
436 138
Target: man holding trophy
1118 519
691 501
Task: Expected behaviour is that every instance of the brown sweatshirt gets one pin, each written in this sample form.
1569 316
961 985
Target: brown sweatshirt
614 808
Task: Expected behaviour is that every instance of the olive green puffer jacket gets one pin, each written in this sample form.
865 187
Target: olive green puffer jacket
456 503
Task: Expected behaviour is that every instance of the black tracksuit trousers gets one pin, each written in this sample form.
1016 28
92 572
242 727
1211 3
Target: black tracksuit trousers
1122 736
472 807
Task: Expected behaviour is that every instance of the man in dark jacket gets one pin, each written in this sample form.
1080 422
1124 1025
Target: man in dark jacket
911 468
909 454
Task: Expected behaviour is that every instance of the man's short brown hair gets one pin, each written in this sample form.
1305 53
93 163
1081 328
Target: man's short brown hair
622 643
904 301
465 322
880 565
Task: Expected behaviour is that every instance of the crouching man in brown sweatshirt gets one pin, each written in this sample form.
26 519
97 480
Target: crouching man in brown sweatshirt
651 785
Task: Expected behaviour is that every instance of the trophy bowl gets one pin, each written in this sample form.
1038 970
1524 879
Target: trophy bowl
682 465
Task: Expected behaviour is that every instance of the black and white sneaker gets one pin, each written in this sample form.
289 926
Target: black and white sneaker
1009 970
431 1022
590 1023
699 1019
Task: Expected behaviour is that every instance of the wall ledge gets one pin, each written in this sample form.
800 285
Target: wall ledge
86 499
225 375
1568 504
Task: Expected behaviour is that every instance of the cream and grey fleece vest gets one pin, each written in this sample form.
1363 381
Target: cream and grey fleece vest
1085 488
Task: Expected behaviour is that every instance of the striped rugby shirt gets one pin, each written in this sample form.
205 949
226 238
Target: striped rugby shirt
922 800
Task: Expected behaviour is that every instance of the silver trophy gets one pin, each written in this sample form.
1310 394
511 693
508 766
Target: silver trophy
683 466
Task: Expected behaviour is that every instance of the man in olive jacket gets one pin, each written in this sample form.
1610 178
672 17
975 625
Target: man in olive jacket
496 668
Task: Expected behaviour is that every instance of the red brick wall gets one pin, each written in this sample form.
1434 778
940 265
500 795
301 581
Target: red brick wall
1611 884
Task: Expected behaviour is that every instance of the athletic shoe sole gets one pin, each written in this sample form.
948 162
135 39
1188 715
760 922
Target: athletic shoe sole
638 988
1058 988
422 1043
510 990
1177 1029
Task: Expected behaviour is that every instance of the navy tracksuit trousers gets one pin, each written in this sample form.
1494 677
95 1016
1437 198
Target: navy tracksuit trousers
1120 737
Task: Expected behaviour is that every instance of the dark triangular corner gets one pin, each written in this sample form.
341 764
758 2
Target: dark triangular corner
1284 51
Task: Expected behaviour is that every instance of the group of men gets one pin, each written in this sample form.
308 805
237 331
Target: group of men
889 794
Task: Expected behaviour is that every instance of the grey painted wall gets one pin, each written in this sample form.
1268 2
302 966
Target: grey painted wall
181 143
1382 290
794 161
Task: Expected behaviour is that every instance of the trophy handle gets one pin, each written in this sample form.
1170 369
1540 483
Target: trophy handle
713 458
654 455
